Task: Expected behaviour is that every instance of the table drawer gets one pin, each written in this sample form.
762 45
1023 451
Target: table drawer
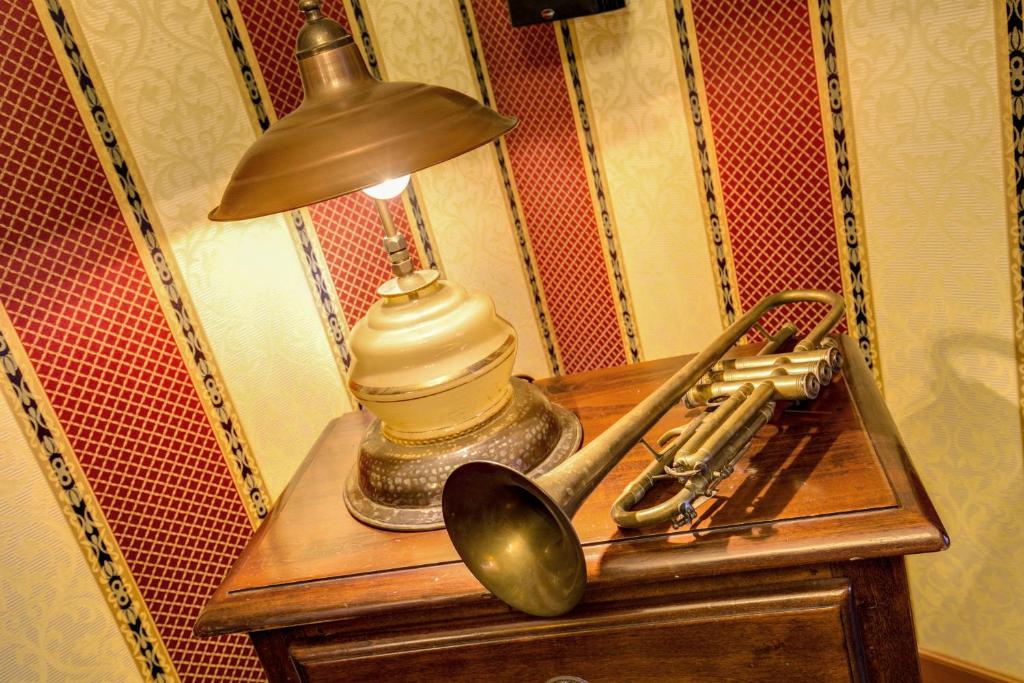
796 635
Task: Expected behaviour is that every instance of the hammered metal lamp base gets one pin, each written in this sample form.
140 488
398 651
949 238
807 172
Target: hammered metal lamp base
398 486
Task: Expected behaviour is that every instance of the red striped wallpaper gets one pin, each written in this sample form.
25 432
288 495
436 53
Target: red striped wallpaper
74 286
544 151
348 227
757 60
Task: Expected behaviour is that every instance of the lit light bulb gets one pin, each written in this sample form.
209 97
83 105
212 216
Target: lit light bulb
392 187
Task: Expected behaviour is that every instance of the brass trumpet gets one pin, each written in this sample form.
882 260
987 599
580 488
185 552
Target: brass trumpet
515 534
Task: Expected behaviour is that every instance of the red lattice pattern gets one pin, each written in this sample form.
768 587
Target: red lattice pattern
551 174
758 66
73 284
348 227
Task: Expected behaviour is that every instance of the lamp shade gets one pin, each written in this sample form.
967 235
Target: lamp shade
351 130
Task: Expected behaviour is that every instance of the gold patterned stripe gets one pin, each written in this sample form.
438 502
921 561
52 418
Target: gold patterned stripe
850 238
699 125
22 391
575 81
158 260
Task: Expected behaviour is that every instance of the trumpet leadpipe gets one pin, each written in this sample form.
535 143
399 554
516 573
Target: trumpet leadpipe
821 369
798 387
829 354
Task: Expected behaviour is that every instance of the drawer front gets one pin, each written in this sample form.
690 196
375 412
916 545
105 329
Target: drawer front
795 636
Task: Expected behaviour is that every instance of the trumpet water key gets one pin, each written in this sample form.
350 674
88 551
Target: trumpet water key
515 533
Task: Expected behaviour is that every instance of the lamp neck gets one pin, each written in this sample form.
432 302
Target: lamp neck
385 217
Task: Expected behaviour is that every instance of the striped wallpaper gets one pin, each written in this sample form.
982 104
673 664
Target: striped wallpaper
675 161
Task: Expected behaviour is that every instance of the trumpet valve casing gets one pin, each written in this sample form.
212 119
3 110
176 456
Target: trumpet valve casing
829 354
796 387
821 369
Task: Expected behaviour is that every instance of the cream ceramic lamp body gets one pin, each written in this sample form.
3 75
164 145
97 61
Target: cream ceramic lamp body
432 363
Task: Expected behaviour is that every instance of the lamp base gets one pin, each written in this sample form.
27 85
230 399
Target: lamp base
397 486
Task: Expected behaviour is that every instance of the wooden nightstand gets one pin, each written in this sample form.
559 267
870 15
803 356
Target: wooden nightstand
794 573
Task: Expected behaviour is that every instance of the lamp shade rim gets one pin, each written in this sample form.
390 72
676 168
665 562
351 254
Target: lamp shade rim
341 142
238 212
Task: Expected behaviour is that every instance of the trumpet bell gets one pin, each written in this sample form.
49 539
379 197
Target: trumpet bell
514 538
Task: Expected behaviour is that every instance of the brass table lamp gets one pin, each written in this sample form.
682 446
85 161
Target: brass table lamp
432 361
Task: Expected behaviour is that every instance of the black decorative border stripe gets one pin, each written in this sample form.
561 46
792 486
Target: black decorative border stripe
1015 63
324 294
182 314
506 178
248 77
703 155
410 192
103 563
314 268
602 201
854 260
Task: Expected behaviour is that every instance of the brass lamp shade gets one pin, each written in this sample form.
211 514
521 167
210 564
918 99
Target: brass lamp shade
351 131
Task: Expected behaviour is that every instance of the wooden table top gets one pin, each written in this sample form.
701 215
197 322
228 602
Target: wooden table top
825 482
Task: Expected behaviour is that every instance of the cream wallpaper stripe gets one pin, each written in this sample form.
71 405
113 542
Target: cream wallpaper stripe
58 626
577 83
514 204
636 109
173 93
239 48
702 142
86 88
73 638
926 101
464 196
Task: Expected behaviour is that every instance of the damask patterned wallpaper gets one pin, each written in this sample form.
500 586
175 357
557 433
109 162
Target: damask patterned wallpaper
930 108
163 375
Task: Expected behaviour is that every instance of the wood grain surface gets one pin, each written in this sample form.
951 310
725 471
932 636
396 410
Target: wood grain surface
826 482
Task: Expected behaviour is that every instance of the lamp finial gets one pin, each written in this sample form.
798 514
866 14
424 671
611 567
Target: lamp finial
319 33
311 8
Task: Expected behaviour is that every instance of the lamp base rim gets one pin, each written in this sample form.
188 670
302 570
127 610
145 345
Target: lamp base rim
497 442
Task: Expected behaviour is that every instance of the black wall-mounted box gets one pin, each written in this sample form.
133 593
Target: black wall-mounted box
523 12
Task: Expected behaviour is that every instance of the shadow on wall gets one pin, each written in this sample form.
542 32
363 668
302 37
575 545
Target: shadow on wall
969 456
